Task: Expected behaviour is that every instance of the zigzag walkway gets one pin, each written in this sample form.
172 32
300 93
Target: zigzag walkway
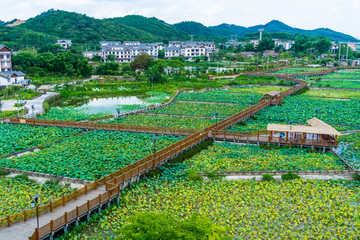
117 181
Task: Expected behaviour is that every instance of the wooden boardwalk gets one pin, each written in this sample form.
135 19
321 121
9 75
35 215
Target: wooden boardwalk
115 181
22 230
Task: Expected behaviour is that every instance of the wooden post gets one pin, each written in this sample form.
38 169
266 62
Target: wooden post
88 205
85 189
99 198
66 217
77 211
9 222
51 225
51 208
63 200
24 215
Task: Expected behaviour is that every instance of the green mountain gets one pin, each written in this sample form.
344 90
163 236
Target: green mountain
279 27
83 29
154 26
194 28
2 22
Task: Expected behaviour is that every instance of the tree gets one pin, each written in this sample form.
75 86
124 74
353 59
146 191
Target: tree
162 226
96 58
249 48
142 61
302 44
322 45
161 54
109 68
265 44
52 48
111 57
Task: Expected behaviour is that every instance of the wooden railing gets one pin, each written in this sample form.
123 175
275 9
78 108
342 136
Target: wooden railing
263 136
114 180
49 207
101 126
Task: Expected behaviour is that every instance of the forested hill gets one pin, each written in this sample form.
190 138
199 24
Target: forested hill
81 29
153 26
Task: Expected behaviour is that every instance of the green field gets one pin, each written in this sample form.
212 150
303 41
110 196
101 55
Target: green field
165 121
350 149
258 90
301 109
328 93
90 156
15 138
227 157
220 96
298 209
301 70
16 194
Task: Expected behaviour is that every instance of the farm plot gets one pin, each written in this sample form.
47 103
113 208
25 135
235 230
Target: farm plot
328 93
90 156
15 138
201 109
227 157
16 194
258 90
165 121
301 109
298 209
344 75
301 70
338 84
72 114
220 96
349 147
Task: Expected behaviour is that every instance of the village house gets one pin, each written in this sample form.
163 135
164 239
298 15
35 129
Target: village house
270 53
64 43
5 58
189 49
10 78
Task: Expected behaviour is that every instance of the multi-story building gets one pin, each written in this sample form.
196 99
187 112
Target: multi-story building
189 49
286 44
127 51
64 43
5 58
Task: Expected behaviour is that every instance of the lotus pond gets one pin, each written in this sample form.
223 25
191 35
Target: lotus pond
165 121
349 148
298 209
220 96
91 155
227 157
301 70
79 109
15 138
301 109
328 93
16 194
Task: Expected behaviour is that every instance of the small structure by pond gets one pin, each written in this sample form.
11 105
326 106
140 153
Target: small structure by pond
317 133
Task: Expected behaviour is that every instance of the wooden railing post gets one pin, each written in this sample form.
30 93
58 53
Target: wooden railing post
51 207
9 221
63 200
24 215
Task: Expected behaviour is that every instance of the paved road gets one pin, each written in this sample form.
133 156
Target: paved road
37 102
23 230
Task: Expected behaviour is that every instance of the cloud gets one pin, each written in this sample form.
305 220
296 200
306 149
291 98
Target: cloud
308 14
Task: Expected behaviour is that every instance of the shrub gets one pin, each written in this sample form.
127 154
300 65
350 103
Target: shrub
355 177
193 176
53 181
164 226
22 177
289 176
268 177
4 172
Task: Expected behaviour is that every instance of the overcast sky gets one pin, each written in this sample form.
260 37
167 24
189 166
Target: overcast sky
339 15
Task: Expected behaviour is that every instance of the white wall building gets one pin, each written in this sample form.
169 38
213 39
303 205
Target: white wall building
286 44
127 51
64 43
9 78
189 49
5 58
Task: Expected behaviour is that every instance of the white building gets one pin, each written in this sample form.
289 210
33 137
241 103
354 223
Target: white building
91 54
189 49
5 58
9 78
64 43
286 44
127 51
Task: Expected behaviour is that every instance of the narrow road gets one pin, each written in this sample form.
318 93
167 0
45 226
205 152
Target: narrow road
23 230
37 102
